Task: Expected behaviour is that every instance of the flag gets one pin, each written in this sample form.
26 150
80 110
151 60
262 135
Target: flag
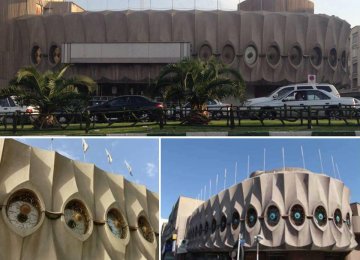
109 158
85 146
128 167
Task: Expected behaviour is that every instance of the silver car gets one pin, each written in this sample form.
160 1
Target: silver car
318 99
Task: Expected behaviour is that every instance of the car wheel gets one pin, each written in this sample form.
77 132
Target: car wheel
267 113
217 115
334 112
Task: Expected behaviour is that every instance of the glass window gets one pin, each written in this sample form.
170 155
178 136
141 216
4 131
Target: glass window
4 102
316 95
273 215
235 220
326 88
251 217
213 226
355 38
285 91
304 87
355 67
320 216
338 218
297 215
118 102
223 223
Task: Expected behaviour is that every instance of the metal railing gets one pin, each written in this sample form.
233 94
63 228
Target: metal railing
227 116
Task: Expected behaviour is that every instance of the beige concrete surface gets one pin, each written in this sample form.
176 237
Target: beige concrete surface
37 191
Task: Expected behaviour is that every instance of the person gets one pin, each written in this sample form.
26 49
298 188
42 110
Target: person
298 96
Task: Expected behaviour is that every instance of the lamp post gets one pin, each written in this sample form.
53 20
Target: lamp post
258 238
240 253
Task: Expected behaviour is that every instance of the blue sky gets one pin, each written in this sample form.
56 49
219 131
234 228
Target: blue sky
188 165
347 10
142 155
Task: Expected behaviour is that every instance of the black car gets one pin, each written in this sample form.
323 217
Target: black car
126 108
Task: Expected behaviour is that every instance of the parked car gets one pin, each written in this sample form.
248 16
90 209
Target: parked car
216 109
320 99
283 91
126 107
9 105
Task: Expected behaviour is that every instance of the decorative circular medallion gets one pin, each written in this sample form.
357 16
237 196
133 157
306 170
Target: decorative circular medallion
77 217
23 209
146 230
205 52
338 218
251 217
235 220
228 54
116 223
273 215
251 55
297 215
295 56
333 57
36 55
273 55
55 54
316 56
320 216
213 226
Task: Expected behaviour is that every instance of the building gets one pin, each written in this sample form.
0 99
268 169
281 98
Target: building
298 213
124 51
354 60
57 208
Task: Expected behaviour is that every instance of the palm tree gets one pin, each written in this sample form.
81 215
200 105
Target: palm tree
196 82
48 92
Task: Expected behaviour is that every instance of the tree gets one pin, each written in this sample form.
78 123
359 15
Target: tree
196 82
48 92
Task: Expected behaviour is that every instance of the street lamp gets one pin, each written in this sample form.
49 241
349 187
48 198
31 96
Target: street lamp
258 238
241 243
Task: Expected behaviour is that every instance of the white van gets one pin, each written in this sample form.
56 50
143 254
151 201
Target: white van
282 91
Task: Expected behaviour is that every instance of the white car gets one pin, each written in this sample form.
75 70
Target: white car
304 98
281 92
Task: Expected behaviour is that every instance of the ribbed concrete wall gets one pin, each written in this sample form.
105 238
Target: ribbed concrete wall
300 6
55 182
263 46
280 190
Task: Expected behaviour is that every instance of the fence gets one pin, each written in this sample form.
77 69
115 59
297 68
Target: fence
227 116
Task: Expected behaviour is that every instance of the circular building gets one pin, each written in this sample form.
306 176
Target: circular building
281 43
297 214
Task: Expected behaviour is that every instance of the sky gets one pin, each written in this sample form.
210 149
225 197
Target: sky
141 154
345 9
188 165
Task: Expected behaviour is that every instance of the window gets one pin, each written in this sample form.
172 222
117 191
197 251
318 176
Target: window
118 102
338 218
320 216
273 55
295 56
316 56
235 220
250 55
273 215
213 226
316 95
284 91
297 215
355 68
333 57
251 217
304 87
355 38
326 88
4 102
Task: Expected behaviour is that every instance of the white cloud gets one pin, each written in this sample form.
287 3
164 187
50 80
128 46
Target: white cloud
151 170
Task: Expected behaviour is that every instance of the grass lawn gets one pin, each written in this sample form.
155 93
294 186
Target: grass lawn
248 127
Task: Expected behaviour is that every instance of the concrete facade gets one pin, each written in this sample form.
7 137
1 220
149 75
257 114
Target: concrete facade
57 208
268 48
354 60
300 215
298 6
